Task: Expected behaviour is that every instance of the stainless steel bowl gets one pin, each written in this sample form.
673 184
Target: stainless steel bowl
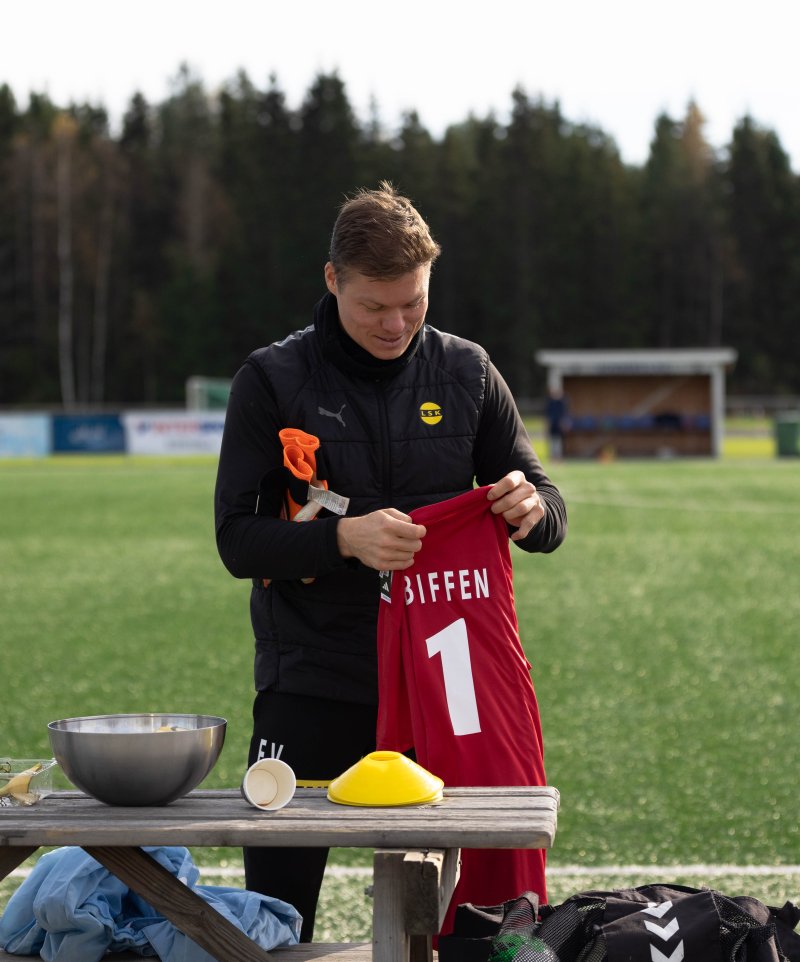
147 759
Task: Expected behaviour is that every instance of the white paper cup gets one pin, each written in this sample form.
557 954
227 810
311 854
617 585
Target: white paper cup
269 784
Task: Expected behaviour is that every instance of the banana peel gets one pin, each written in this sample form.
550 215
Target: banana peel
18 786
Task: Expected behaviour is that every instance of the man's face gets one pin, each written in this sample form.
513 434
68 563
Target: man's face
379 315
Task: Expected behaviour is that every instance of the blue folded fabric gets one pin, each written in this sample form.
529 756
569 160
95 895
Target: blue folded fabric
72 909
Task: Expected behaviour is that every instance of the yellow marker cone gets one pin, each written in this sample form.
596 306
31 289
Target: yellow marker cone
384 779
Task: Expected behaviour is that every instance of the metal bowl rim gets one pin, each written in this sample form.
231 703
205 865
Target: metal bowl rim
64 724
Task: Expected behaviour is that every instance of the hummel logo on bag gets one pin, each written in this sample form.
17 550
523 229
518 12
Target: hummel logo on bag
662 933
334 414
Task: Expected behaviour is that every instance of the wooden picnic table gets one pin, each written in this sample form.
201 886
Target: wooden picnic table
415 862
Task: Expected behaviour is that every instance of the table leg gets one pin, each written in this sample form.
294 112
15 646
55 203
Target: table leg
11 858
411 893
420 948
191 914
390 941
429 879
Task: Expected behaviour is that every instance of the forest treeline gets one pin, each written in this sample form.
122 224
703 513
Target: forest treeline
196 232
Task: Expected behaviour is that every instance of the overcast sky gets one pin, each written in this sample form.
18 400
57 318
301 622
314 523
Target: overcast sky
613 63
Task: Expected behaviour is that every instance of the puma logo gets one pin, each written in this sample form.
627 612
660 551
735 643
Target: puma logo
334 414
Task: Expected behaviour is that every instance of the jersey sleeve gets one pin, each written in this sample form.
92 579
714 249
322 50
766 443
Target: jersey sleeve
502 444
253 542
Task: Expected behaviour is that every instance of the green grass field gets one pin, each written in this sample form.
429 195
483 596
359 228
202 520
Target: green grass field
663 637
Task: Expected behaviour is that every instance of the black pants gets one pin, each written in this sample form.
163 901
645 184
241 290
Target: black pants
319 739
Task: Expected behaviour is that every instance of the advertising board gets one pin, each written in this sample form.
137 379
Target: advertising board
173 432
25 435
88 433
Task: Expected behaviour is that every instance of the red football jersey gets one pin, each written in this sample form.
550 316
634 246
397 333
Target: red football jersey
454 682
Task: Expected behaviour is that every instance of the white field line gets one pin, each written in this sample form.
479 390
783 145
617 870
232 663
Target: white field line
665 871
620 501
614 870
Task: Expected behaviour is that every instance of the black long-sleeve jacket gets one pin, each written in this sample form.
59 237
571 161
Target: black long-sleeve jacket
400 434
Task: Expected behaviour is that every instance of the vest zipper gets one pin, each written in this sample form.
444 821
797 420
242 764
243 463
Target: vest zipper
385 443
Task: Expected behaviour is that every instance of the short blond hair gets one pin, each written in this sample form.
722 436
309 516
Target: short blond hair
380 234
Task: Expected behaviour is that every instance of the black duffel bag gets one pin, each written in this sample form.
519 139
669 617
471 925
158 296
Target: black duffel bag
650 923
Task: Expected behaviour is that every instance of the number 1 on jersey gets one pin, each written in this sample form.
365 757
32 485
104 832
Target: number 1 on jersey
452 644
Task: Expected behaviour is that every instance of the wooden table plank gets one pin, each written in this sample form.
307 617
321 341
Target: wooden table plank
465 818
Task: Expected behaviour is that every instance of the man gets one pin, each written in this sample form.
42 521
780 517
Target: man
406 416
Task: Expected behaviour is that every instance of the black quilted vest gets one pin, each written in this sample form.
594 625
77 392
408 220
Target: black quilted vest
392 434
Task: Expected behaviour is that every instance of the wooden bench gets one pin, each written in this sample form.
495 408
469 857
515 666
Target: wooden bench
310 952
329 951
415 862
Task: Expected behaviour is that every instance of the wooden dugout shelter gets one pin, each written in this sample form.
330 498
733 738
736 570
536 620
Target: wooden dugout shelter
641 403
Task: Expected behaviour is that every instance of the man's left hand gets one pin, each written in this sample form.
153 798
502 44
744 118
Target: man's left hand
519 503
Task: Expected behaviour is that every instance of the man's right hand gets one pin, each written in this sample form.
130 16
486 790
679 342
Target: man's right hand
385 540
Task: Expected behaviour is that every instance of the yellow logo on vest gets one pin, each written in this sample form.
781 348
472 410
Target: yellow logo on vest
430 413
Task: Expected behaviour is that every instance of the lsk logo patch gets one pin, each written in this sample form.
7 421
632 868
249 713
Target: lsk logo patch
430 413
